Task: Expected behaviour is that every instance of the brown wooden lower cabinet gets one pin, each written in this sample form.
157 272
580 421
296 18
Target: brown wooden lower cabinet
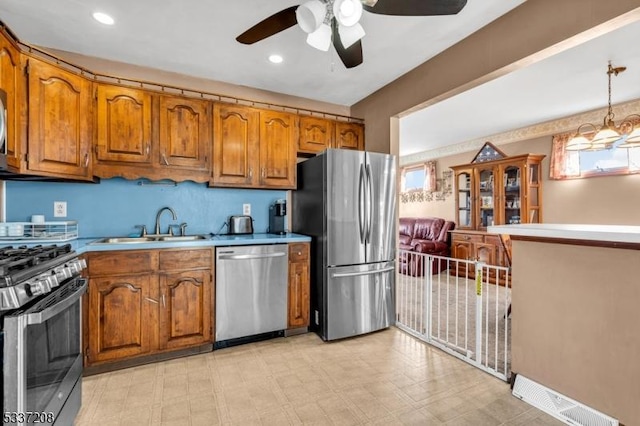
143 302
477 246
299 277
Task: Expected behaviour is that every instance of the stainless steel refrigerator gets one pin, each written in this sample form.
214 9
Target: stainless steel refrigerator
346 201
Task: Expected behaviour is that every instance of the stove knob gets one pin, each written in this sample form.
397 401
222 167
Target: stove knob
63 273
36 288
53 280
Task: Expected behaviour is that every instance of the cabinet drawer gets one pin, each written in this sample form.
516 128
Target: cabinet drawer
298 252
185 259
472 238
127 262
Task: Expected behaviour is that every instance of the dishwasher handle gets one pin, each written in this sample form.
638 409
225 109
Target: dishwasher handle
357 274
250 256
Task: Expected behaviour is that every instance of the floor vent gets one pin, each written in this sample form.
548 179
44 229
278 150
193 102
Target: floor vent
559 406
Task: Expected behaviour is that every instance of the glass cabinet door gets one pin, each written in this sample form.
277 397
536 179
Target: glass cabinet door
533 196
486 199
512 190
465 200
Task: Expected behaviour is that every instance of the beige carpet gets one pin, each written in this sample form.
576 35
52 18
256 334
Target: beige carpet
453 308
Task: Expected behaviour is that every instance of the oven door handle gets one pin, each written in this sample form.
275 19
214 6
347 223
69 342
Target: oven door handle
40 317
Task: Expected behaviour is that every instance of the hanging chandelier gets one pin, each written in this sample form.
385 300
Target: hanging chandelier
589 138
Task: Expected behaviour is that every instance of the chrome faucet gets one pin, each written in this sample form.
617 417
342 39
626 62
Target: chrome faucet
158 219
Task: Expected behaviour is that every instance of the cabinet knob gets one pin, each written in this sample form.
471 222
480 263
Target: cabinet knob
86 160
164 160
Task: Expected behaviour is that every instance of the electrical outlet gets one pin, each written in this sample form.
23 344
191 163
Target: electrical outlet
246 209
59 209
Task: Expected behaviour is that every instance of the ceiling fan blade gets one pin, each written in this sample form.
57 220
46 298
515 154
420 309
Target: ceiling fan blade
416 7
352 56
275 23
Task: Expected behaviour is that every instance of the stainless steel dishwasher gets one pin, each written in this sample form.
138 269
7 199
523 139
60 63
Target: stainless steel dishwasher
251 292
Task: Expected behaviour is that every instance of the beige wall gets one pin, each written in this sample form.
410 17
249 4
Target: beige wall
613 200
531 32
575 324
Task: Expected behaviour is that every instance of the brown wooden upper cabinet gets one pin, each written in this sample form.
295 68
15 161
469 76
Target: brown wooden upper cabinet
141 134
254 148
318 134
11 82
185 133
349 136
124 125
278 136
60 132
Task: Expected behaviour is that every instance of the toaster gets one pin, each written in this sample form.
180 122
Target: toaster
240 225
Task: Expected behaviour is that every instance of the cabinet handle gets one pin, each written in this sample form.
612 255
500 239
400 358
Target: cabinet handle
86 160
164 303
151 300
250 172
263 172
148 148
164 159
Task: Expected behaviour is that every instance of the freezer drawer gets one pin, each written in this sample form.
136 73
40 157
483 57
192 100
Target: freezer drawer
251 290
360 299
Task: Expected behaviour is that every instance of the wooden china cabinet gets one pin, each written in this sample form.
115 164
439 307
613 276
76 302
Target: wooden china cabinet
494 190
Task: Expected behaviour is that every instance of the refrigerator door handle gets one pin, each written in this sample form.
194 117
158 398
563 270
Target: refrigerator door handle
369 204
361 204
357 274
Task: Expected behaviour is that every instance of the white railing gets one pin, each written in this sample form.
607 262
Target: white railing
457 305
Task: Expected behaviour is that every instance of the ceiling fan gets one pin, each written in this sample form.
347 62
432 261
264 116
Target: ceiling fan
336 21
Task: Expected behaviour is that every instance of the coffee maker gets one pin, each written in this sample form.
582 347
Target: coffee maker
277 213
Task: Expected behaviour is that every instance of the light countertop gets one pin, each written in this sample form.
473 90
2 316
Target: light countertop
84 245
587 232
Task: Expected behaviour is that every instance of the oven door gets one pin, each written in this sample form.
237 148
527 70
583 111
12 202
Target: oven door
43 358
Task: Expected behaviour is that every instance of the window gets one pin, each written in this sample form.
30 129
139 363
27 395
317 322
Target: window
419 178
581 164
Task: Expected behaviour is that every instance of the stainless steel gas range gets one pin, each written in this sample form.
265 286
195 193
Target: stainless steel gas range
40 311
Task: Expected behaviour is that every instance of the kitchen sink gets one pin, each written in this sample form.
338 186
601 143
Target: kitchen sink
150 239
182 238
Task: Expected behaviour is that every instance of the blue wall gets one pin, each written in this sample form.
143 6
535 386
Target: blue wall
114 206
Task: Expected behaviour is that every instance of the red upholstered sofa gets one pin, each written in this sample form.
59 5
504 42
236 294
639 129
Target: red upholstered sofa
429 235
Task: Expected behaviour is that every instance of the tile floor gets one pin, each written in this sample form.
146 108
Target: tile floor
385 378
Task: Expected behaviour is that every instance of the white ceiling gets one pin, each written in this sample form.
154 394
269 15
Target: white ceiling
197 38
571 82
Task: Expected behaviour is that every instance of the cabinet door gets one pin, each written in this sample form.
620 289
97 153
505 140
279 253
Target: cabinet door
465 201
316 134
185 133
235 145
10 82
512 198
461 249
486 252
349 136
487 197
122 315
278 137
59 122
298 300
124 125
185 313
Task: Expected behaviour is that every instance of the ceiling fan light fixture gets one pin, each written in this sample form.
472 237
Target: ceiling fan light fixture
349 35
347 12
310 15
320 38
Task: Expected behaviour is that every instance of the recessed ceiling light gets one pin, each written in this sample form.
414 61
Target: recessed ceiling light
276 59
103 18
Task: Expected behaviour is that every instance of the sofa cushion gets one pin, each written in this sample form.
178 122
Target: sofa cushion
428 228
406 227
